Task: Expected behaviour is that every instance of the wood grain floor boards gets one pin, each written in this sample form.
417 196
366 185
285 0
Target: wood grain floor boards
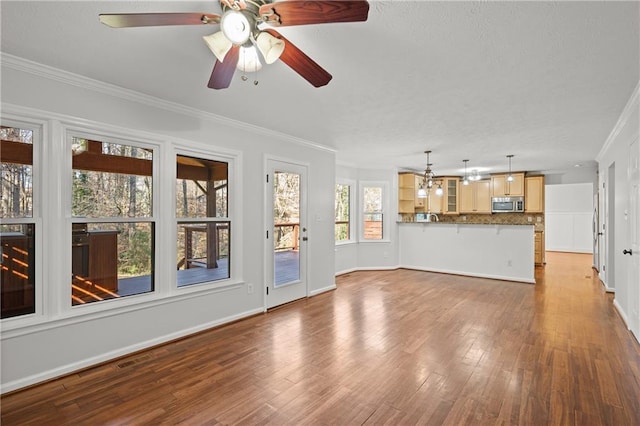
387 347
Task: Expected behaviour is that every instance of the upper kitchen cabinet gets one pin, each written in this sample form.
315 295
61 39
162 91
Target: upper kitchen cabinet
406 192
534 194
501 187
476 197
451 194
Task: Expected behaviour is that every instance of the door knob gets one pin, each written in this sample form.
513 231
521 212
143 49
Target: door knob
629 252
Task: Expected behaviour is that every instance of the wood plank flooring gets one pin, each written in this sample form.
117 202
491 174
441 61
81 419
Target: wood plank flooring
387 347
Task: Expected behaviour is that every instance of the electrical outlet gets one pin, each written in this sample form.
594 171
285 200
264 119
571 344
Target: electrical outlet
249 288
529 219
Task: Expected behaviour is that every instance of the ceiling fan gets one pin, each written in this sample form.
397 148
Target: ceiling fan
244 27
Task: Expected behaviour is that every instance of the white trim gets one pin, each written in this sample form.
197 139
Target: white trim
622 121
45 71
89 362
622 313
322 290
377 268
470 274
439 271
346 271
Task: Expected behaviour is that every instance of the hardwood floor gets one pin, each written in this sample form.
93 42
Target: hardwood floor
387 347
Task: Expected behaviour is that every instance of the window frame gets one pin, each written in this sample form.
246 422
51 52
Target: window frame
386 212
352 210
53 177
39 129
130 138
233 161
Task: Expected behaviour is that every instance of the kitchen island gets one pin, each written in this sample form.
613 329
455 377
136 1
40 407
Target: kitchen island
504 252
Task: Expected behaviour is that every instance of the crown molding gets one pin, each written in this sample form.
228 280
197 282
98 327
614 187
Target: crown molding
622 121
66 77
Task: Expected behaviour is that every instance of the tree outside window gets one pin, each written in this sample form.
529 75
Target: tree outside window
372 212
343 213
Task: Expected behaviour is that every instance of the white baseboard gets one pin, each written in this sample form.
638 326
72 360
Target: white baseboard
127 350
622 313
441 271
346 271
322 290
472 274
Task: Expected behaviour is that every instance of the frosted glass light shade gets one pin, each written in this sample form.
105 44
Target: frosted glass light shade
422 193
219 44
510 178
248 61
235 27
439 191
271 47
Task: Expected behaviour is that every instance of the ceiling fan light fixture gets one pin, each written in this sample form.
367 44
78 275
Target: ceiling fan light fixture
271 47
235 27
248 60
218 44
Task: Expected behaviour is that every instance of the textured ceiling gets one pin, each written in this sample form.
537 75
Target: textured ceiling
545 81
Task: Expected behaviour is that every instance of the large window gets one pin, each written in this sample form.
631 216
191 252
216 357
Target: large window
343 226
112 236
18 228
372 212
203 246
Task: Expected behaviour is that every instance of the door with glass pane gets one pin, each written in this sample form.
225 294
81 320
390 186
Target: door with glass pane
286 233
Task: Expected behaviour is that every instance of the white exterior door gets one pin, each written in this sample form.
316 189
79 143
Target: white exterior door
286 233
633 225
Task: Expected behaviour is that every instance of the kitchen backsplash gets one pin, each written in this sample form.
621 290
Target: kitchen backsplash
537 219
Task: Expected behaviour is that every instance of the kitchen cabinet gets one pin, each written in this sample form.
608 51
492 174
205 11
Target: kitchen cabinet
447 203
406 193
451 187
534 194
476 197
539 249
500 187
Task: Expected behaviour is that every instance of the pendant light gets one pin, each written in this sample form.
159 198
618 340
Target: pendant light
510 177
465 181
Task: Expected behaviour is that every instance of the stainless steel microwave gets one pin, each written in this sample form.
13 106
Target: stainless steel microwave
507 204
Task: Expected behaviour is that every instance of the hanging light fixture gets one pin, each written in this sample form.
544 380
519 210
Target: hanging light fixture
428 180
465 181
510 177
422 193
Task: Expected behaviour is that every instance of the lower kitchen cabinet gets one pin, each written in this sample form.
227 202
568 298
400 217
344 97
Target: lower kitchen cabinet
539 248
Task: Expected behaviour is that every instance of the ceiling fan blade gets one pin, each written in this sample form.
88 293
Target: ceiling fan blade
301 63
223 71
123 20
301 12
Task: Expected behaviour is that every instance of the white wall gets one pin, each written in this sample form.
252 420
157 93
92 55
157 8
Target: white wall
59 343
491 251
616 151
359 254
568 217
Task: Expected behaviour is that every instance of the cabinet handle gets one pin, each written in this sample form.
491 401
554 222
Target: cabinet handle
629 252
